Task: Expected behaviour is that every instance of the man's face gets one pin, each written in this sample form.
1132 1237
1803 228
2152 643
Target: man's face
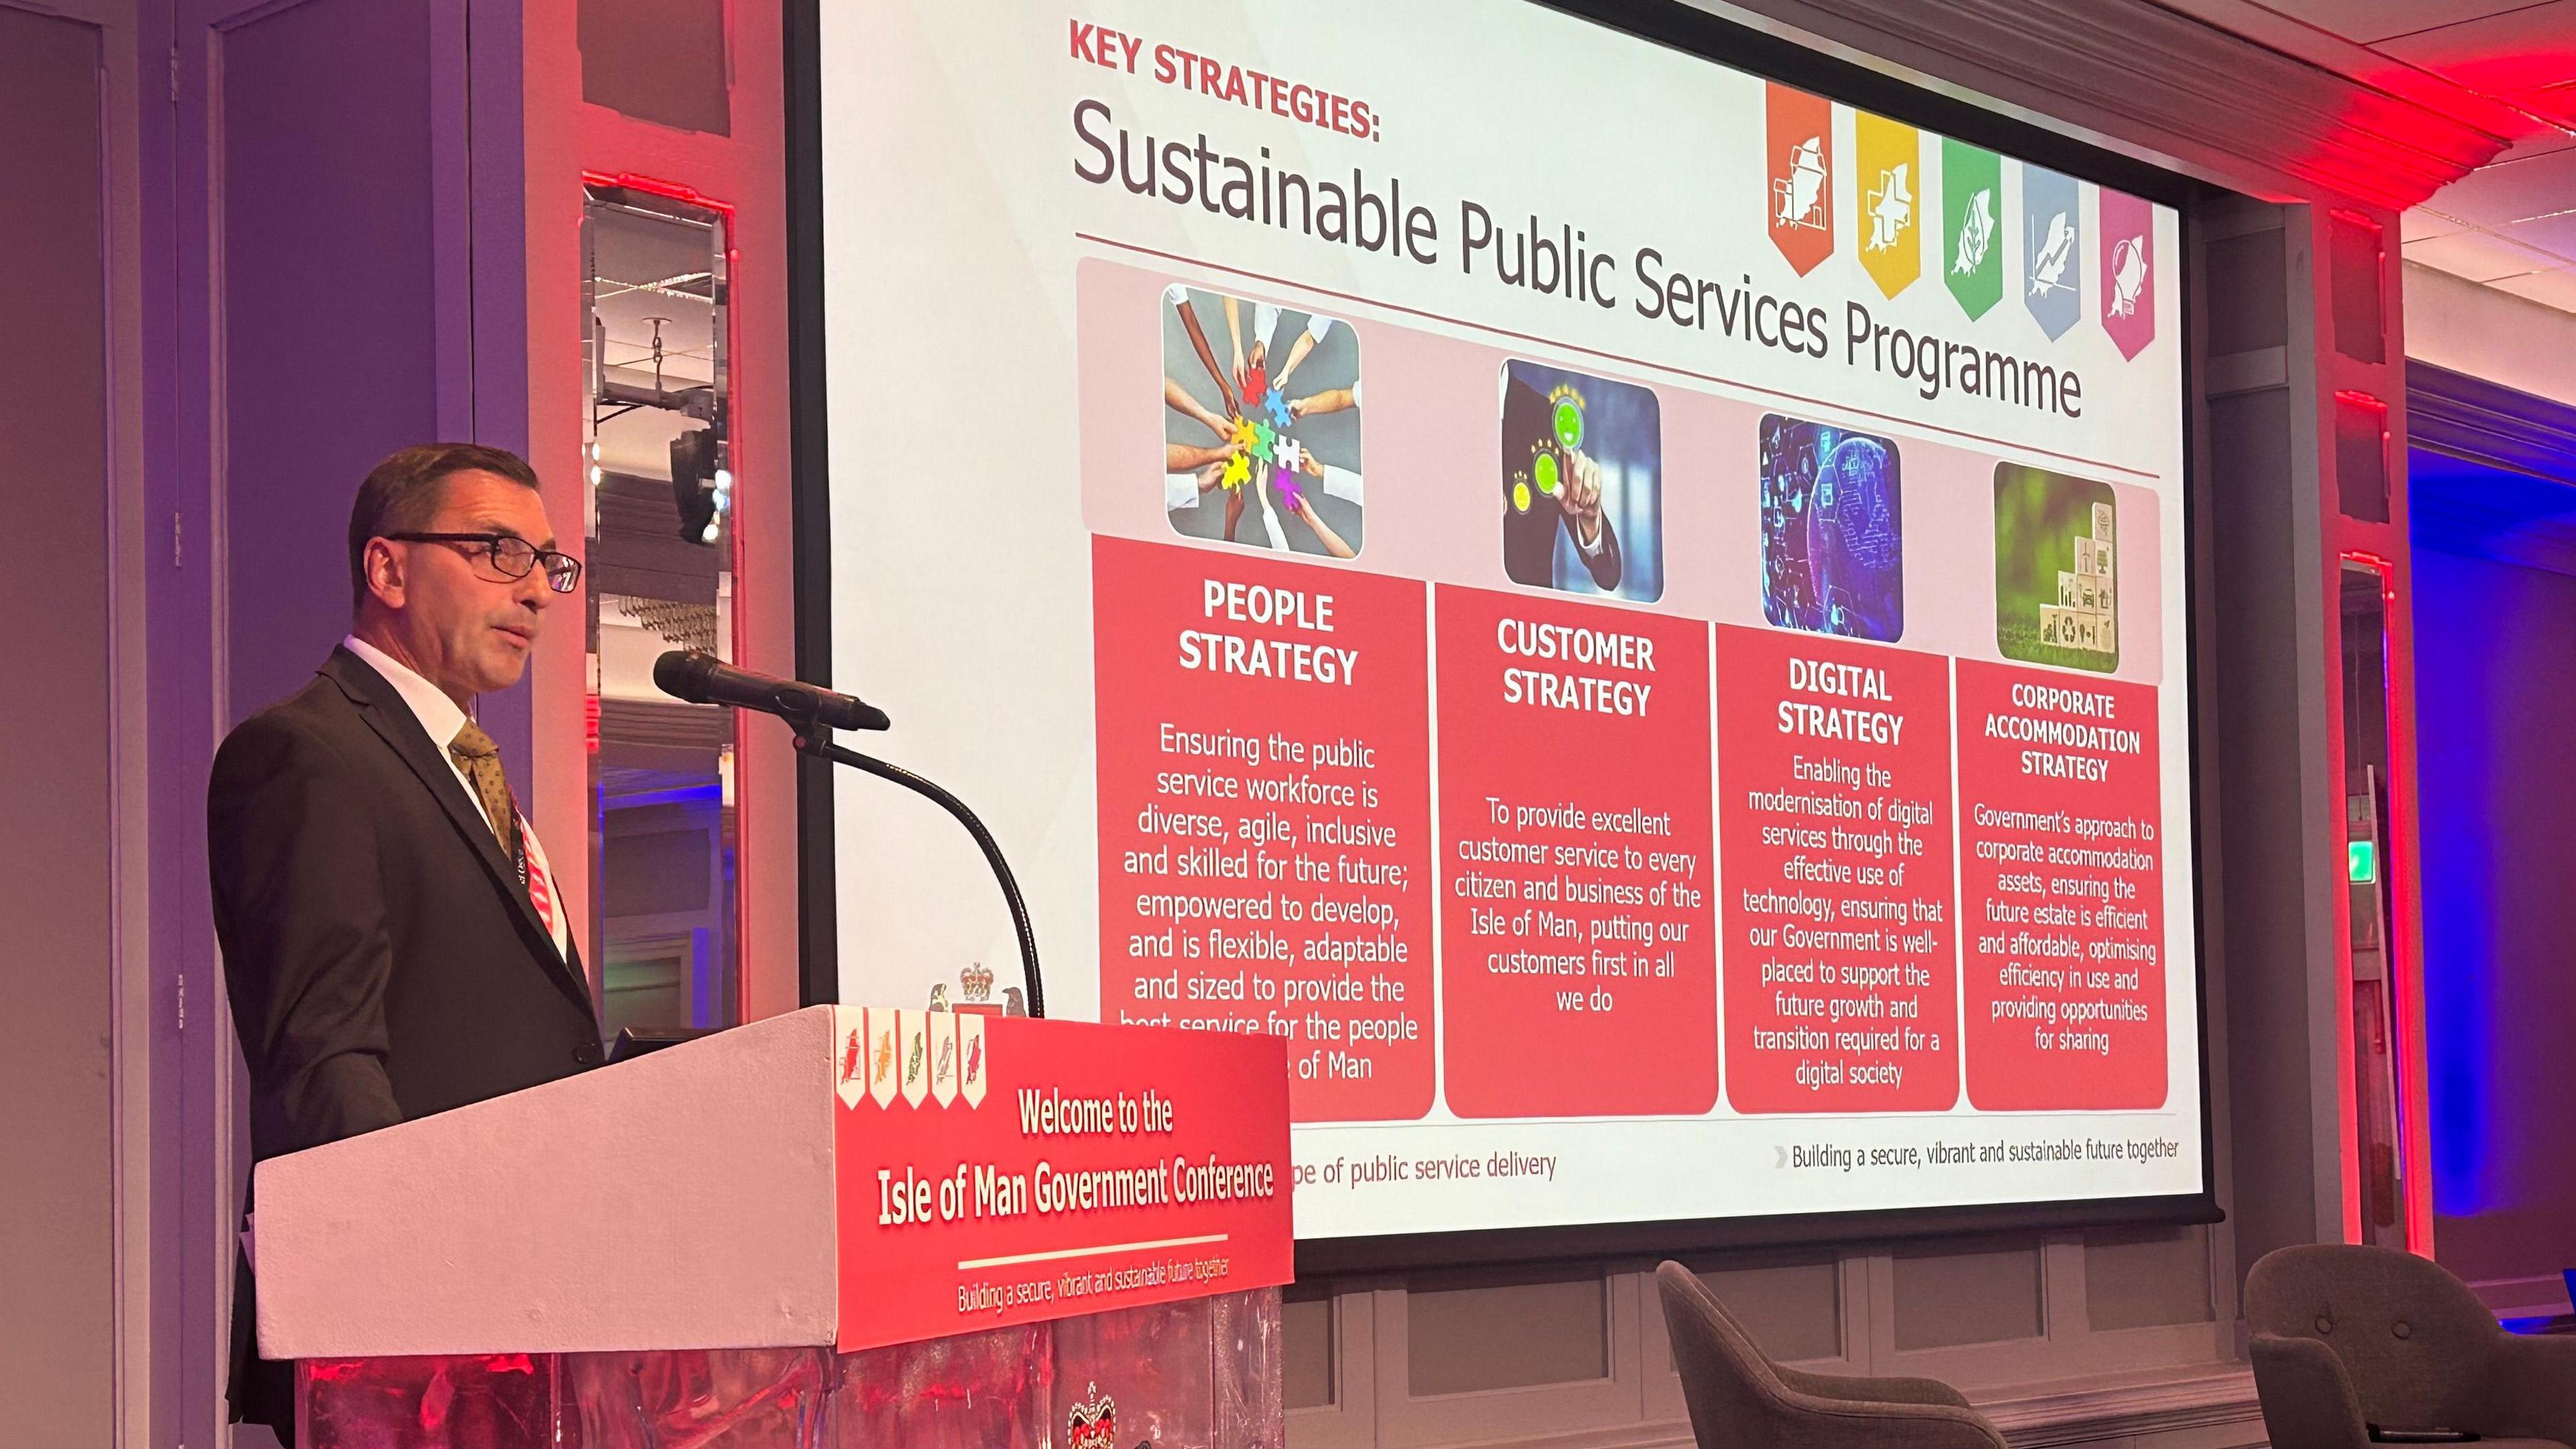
467 627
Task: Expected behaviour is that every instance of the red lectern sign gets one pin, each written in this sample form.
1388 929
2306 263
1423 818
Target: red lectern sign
999 1170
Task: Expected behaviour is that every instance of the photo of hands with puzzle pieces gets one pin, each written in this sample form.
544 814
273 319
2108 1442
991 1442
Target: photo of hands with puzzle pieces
1261 425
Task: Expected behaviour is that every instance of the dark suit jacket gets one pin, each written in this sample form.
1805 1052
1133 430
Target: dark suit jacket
382 960
1529 546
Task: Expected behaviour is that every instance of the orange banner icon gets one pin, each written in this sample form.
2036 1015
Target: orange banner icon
1799 175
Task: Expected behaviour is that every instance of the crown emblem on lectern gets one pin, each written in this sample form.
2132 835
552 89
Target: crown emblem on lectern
1092 1422
976 982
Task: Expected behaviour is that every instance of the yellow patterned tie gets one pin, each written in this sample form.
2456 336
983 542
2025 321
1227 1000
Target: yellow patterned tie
481 761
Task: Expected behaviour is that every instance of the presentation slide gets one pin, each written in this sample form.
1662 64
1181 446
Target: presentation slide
1630 614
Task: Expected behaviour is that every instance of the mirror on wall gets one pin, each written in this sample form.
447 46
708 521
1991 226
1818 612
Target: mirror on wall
2377 1108
665 837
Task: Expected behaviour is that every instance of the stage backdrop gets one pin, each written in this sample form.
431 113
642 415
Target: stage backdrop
1631 613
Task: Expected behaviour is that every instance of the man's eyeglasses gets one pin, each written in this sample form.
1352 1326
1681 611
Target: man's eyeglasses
512 555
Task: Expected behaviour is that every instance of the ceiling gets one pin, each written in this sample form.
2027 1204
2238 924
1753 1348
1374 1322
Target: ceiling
2507 67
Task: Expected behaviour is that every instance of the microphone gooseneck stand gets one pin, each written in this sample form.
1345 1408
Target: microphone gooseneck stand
816 741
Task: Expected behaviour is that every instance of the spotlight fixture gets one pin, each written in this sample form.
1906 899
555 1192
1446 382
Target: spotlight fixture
701 486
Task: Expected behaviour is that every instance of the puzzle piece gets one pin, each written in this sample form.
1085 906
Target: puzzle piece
1277 407
1237 469
1288 455
1264 440
1291 496
1255 383
1244 436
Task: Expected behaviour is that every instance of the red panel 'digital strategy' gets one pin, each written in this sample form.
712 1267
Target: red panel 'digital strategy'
999 1170
1833 778
1580 964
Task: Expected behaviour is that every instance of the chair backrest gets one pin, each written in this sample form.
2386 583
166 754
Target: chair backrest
2414 1338
1732 1393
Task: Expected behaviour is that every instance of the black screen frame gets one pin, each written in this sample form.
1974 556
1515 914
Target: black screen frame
1702 36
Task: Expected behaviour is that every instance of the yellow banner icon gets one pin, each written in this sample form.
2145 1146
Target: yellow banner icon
1887 168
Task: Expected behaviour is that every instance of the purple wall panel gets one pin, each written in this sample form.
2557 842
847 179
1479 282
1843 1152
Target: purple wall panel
57 1004
329 303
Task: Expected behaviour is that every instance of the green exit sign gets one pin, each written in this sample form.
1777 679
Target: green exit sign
2361 859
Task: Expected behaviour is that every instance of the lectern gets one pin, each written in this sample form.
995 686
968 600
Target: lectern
847 1226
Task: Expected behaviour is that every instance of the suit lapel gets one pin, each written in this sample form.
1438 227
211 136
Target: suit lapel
393 721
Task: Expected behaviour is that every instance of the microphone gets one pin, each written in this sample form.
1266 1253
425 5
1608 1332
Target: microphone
701 678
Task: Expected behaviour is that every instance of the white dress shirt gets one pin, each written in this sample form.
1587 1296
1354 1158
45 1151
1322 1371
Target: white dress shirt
440 717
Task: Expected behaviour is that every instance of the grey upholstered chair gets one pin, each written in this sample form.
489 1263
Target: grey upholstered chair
1741 1400
2350 1337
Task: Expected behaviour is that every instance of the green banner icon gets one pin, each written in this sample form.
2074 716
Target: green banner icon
1972 233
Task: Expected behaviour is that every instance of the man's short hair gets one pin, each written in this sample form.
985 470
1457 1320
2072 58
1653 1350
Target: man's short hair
403 494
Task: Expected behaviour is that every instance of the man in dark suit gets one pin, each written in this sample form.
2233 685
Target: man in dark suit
393 941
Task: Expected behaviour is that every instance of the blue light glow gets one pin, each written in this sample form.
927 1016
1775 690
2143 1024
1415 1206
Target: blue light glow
2487 714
